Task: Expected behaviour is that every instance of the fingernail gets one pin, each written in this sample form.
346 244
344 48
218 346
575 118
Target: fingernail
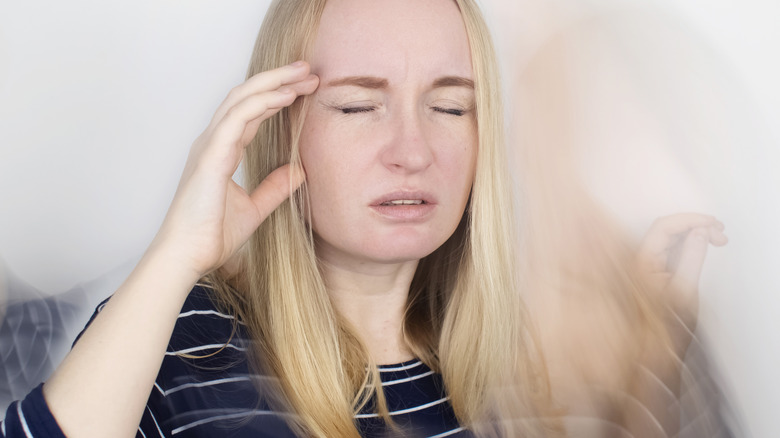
297 64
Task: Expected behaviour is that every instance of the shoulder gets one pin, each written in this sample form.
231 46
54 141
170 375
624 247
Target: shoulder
207 385
204 330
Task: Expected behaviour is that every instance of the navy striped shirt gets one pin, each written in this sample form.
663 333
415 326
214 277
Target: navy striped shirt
218 395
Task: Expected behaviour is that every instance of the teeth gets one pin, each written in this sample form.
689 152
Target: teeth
404 202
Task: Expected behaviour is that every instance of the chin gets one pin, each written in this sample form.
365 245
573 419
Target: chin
399 251
382 247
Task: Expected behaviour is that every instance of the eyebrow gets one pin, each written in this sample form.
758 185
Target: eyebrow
371 82
376 83
453 81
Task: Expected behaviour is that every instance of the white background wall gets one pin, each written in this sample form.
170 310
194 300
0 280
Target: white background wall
99 102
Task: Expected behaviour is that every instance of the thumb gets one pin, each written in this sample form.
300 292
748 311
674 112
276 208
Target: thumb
275 188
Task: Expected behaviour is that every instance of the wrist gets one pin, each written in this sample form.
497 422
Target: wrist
167 267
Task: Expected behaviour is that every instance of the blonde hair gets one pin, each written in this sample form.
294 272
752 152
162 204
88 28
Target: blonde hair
464 318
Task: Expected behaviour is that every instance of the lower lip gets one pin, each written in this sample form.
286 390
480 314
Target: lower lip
405 213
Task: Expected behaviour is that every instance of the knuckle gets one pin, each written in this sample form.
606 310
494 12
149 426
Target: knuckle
234 92
276 181
230 113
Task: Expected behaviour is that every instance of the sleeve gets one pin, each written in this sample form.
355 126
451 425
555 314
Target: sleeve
30 418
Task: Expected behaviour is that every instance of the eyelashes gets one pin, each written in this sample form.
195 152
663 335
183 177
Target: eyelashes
367 109
453 111
356 110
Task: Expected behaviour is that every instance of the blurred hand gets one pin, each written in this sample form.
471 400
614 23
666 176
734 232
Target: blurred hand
211 216
671 257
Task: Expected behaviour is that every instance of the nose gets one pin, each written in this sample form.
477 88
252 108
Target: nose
407 149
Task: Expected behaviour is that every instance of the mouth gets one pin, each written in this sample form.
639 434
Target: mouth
405 206
404 202
402 198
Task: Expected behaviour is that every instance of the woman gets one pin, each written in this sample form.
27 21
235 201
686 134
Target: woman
397 247
388 277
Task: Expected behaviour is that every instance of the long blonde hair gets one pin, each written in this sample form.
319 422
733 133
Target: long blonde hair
464 317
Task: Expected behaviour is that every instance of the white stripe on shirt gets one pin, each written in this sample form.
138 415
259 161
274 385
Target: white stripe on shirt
205 312
203 347
23 420
406 411
401 368
201 384
448 433
220 417
155 422
407 379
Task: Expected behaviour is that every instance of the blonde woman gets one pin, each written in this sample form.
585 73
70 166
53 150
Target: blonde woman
379 299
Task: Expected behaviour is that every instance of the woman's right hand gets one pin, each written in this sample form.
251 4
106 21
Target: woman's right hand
211 216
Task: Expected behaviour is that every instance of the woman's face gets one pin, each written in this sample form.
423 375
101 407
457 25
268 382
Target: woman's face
389 145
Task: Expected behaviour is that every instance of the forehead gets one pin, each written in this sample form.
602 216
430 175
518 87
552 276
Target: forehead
395 39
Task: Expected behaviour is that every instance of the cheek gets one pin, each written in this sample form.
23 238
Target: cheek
330 174
327 146
316 153
457 157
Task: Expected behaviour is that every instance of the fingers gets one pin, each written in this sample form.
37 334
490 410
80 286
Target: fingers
236 121
663 248
253 106
266 81
233 129
716 236
264 104
662 233
275 188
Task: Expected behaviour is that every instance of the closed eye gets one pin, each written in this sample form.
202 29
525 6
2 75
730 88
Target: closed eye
358 109
453 111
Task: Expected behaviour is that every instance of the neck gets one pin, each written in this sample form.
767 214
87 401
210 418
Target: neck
372 298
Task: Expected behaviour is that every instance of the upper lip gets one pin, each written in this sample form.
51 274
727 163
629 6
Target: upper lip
399 195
